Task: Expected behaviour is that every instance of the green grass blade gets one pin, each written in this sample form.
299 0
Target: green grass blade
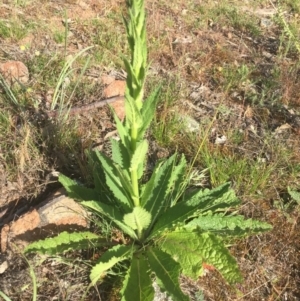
178 184
63 74
6 298
9 91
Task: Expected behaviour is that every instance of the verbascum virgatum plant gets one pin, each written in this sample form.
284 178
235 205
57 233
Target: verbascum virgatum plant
168 229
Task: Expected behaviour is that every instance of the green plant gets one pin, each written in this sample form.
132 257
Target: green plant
168 230
14 29
59 96
10 95
290 205
242 21
106 35
295 195
287 29
294 4
236 78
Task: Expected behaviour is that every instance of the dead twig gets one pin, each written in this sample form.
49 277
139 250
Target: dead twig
85 108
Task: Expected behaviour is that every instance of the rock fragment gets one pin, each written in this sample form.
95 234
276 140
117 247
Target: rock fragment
56 214
14 72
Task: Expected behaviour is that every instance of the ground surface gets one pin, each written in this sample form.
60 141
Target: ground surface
230 83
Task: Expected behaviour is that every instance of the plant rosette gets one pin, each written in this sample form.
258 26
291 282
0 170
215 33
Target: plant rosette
169 230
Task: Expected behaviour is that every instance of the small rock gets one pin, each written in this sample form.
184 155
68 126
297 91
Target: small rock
56 214
3 267
158 294
282 128
14 72
107 79
119 107
117 88
264 22
183 40
190 123
83 5
220 139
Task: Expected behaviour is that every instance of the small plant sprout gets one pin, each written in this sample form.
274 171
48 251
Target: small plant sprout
168 229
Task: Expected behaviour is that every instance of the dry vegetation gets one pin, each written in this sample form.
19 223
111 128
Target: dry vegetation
228 69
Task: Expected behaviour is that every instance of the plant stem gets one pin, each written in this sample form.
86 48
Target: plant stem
134 175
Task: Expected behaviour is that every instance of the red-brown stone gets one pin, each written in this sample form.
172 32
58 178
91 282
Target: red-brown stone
56 214
14 72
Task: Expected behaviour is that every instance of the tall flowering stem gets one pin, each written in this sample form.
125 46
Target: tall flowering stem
136 72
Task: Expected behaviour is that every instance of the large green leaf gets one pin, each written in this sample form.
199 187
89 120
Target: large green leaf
122 131
106 195
147 189
125 181
230 225
218 198
191 248
139 157
129 35
139 218
131 81
112 213
154 198
137 284
101 187
226 200
133 115
148 111
76 191
120 155
198 203
175 185
117 181
109 259
65 242
167 272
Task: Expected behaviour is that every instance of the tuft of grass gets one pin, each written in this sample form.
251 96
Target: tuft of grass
238 78
16 29
294 5
59 36
247 175
110 41
168 122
